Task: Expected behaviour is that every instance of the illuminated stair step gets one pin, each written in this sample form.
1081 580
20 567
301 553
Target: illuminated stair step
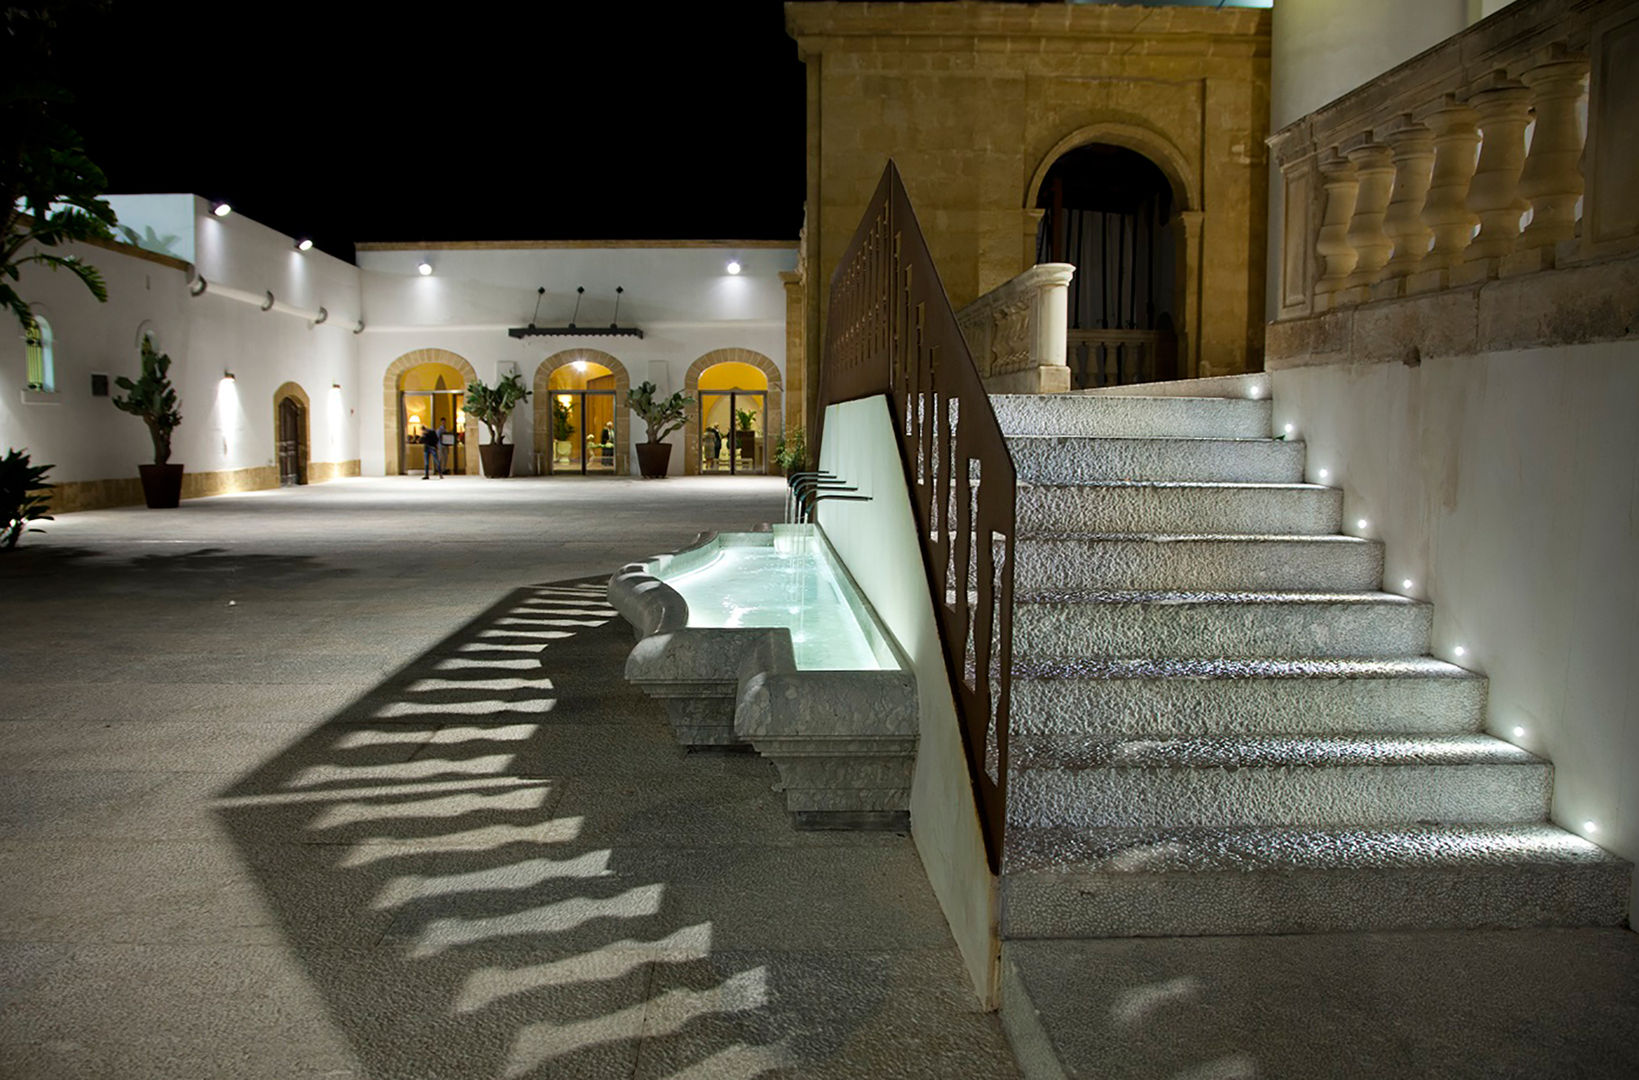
1065 882
1148 417
1131 697
1274 780
1223 624
1053 459
1177 507
1230 563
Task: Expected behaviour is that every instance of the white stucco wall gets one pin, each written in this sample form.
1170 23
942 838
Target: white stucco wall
878 542
1506 487
681 297
226 424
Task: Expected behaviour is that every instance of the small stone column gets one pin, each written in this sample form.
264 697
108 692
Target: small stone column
1342 186
1445 210
1413 147
1050 329
1374 167
1552 177
1494 194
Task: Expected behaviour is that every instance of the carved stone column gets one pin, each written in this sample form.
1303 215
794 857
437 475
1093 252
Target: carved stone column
1413 147
1051 326
1374 168
1494 194
1337 256
1445 210
1552 177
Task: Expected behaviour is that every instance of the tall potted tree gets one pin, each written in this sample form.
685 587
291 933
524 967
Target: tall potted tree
661 417
493 405
152 398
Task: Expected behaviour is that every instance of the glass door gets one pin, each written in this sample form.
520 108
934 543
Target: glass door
419 410
583 431
733 431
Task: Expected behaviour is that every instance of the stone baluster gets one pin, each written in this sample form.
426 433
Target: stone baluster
1413 147
1337 177
1552 177
1374 168
1494 194
1445 210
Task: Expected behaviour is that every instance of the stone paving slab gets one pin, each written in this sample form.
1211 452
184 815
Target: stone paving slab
407 820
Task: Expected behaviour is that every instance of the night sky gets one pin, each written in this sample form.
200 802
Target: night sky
359 121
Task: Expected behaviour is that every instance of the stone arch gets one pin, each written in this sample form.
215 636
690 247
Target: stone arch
1157 147
393 462
541 398
304 440
691 387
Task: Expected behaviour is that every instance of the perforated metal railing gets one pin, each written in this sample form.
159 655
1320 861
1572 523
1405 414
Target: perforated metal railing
890 330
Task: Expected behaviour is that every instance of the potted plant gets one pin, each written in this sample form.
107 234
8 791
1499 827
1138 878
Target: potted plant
661 416
791 451
745 439
152 398
493 405
562 429
23 496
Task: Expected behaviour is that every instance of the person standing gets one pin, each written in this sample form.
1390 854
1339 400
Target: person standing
432 452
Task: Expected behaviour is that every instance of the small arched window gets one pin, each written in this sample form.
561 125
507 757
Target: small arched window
41 368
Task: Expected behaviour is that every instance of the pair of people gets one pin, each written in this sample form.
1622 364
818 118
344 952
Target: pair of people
432 445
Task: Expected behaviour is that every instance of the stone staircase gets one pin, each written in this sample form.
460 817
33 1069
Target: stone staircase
1221 724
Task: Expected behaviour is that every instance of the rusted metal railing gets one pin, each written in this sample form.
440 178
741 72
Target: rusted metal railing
890 330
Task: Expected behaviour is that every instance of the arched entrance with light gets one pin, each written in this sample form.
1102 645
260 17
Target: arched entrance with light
736 416
292 436
1112 213
424 389
581 424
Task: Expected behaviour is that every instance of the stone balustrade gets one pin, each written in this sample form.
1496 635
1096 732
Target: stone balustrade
1017 332
1501 152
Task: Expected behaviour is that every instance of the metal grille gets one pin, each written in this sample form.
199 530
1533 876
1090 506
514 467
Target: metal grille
890 330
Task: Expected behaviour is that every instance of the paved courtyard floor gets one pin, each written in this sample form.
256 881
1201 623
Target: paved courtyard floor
345 781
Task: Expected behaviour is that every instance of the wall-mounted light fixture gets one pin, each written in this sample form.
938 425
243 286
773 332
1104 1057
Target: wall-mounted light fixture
424 268
230 375
733 266
335 386
221 209
304 244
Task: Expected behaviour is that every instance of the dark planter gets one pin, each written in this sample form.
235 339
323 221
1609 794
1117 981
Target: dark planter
653 458
497 458
745 444
161 486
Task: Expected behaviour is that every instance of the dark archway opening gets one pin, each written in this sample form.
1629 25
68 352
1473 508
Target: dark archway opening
1108 211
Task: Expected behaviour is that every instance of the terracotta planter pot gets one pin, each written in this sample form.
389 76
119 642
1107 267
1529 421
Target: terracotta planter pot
496 458
161 486
653 458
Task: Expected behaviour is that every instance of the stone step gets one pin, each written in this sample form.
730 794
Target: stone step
1064 882
1273 780
1156 561
1133 697
1060 459
1145 417
1235 625
1158 507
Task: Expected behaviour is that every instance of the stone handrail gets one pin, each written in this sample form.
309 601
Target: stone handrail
1017 332
1427 178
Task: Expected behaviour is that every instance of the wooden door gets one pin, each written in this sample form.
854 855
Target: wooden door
290 442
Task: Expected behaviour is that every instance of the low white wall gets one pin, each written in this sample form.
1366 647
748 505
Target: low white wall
1506 488
878 542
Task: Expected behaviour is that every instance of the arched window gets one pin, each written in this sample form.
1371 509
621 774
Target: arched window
41 373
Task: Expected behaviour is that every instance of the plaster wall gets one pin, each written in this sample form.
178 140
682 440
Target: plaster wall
1506 488
226 439
877 540
680 296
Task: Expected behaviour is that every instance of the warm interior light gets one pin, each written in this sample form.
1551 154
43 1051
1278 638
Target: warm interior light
221 209
304 245
734 266
579 366
415 419
424 267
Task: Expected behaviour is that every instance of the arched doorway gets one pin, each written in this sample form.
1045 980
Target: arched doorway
737 413
1112 213
423 389
582 425
292 446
